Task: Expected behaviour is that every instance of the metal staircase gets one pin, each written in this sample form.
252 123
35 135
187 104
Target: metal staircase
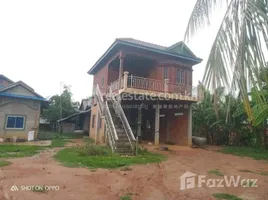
118 130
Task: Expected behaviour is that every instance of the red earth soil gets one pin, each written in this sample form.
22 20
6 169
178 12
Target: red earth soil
145 182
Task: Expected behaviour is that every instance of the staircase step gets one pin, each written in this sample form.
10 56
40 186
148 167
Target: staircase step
123 146
121 149
120 131
123 139
122 135
124 151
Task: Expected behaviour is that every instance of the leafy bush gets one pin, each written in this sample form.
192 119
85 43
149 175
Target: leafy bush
88 139
92 150
141 150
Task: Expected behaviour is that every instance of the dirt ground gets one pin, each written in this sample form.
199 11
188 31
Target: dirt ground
149 182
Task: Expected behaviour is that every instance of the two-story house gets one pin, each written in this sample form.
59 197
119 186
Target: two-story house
143 90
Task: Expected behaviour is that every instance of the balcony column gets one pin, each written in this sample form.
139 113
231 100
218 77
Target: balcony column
200 92
190 131
157 123
121 58
97 125
166 85
139 121
125 79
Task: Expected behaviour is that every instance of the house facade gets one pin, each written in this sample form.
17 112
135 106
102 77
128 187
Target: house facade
153 86
20 108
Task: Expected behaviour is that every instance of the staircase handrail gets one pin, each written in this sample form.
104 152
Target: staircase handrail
112 134
121 114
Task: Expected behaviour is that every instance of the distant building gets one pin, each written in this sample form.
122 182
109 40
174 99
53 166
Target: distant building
78 121
20 108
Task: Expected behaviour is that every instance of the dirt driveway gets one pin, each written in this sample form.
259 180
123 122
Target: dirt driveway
152 181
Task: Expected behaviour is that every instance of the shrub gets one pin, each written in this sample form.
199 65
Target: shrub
92 150
88 139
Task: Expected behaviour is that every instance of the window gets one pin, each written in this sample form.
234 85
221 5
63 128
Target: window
102 82
165 73
14 122
93 121
189 77
180 76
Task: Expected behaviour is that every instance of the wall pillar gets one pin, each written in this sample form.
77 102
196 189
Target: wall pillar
200 92
166 85
157 123
97 124
190 131
125 79
168 134
121 68
139 121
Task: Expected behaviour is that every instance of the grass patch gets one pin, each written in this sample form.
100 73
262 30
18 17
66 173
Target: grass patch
245 170
255 153
126 197
248 184
14 151
56 135
260 173
126 169
58 142
263 173
93 150
226 196
215 172
4 163
103 158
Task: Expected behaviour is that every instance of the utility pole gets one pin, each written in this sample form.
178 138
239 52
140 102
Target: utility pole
60 109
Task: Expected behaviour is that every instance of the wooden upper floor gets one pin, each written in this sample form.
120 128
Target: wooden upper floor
149 67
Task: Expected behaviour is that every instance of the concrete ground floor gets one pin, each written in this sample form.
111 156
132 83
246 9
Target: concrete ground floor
153 121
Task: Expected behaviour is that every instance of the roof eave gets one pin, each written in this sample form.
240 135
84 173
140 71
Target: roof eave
22 96
198 60
194 60
101 58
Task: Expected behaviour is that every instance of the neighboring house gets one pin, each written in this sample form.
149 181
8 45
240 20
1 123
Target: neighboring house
77 121
137 69
20 108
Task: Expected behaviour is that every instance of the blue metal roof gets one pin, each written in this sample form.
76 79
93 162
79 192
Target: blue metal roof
5 94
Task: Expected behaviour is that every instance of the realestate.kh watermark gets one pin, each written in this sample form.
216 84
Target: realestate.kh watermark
190 180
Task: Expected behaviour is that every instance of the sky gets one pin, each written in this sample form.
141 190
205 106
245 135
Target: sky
44 43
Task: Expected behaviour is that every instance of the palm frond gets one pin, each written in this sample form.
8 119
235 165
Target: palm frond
200 16
237 54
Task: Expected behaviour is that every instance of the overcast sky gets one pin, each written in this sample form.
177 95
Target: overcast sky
45 42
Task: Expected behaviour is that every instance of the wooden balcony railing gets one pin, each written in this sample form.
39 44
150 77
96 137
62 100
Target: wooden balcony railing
115 85
143 83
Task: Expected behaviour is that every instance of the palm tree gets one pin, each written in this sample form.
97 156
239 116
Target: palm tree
237 55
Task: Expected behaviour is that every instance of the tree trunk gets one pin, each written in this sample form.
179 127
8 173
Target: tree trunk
265 138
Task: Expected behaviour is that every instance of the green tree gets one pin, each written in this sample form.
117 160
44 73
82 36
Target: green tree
56 102
237 58
237 54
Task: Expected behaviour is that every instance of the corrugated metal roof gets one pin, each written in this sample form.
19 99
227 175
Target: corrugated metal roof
4 90
169 51
142 43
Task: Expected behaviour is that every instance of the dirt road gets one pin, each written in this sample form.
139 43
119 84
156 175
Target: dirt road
145 182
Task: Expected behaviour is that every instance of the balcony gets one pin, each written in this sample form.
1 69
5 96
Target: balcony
146 86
